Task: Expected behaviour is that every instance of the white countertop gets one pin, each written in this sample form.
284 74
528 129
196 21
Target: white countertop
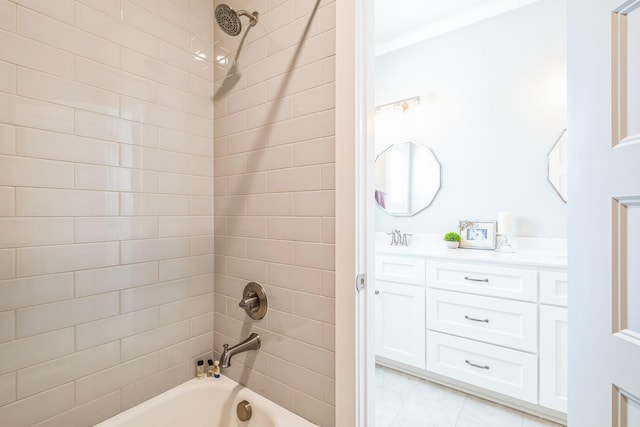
529 251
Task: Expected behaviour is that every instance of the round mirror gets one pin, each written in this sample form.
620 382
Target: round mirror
557 174
407 178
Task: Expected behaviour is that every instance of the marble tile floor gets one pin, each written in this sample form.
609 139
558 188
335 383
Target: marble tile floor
406 401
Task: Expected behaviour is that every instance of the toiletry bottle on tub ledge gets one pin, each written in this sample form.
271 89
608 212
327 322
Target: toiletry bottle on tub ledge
216 369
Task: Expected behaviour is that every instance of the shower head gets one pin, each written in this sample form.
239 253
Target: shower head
229 20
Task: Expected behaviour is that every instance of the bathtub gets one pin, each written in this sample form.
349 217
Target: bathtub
207 402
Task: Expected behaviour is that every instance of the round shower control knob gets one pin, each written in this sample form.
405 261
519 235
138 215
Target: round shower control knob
254 301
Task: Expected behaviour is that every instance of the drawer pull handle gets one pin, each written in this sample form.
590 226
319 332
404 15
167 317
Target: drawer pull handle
476 320
377 292
477 366
471 279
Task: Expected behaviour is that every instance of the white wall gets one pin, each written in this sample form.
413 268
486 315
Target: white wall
493 103
275 201
106 204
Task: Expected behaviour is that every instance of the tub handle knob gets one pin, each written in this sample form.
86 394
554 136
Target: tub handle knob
250 303
254 301
243 410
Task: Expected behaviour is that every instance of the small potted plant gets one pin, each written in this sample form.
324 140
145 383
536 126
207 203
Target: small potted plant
453 239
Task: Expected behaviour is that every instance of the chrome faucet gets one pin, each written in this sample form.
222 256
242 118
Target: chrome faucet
252 343
396 237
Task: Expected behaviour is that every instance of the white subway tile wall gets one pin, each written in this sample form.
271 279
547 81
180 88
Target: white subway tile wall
106 204
275 201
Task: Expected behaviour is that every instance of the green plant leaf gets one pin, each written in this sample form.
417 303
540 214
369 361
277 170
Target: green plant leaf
451 236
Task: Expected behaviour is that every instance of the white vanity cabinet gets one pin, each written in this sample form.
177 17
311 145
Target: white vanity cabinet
400 309
553 340
488 324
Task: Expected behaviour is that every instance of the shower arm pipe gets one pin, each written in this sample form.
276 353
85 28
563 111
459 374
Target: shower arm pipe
253 17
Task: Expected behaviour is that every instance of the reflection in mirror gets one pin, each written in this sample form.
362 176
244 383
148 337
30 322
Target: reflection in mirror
557 174
407 178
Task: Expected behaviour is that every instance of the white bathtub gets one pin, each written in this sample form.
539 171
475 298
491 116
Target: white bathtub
207 402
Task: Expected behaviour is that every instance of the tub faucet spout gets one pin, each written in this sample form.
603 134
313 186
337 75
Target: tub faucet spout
252 343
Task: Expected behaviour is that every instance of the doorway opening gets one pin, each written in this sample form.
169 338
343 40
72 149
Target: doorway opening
470 118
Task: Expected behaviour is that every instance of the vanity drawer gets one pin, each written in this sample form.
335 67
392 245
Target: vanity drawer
495 281
403 269
497 321
554 288
502 370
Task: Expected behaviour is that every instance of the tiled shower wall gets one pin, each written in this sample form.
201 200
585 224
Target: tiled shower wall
275 201
106 204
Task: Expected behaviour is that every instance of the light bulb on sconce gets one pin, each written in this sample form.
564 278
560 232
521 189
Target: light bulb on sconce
504 229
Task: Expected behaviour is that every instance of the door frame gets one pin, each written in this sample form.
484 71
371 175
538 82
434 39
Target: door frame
354 106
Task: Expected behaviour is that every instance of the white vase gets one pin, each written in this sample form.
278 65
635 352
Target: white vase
453 245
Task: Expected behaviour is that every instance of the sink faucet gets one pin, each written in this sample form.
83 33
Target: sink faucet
396 237
252 343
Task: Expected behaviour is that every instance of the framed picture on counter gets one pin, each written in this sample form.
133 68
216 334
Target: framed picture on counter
478 234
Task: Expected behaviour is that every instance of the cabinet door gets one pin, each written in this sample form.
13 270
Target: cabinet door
553 357
400 323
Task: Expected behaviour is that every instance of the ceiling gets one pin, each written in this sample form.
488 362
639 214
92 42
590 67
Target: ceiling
399 23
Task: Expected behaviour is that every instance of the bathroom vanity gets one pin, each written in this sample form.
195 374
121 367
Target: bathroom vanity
490 324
